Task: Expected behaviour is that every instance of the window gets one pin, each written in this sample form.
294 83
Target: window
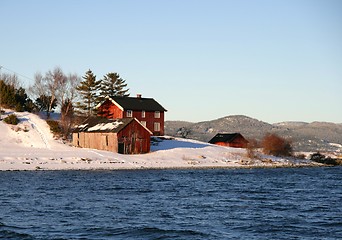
143 114
156 114
157 126
129 113
143 123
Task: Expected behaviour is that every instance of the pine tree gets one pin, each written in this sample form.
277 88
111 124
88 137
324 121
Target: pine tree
113 85
44 104
14 98
88 90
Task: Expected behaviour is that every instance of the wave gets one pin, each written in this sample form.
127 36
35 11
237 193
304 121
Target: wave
145 233
11 232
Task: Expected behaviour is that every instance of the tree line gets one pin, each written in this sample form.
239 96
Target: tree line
12 95
75 96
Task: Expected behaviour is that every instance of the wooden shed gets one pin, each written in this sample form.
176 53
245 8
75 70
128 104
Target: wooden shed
229 140
126 135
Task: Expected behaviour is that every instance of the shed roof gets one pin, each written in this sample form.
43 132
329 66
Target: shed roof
137 103
105 125
225 137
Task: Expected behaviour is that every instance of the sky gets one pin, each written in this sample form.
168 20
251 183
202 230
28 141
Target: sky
271 60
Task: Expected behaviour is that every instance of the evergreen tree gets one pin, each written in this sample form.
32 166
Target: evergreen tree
44 104
88 90
7 93
113 85
14 98
21 100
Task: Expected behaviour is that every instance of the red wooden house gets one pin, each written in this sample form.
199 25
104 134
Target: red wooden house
229 140
126 135
148 111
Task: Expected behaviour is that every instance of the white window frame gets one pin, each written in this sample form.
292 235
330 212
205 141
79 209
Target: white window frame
156 126
129 113
143 114
156 114
143 123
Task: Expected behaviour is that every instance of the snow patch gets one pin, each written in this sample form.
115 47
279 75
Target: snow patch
335 145
210 130
82 126
105 126
36 149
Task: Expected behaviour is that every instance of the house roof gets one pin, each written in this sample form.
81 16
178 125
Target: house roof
137 103
105 125
225 137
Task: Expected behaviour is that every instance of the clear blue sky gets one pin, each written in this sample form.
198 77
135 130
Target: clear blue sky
274 60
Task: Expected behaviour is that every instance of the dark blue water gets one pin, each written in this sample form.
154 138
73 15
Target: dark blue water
290 203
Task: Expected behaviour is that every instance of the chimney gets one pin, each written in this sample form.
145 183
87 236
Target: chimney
138 95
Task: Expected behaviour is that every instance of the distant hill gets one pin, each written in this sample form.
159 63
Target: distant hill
307 137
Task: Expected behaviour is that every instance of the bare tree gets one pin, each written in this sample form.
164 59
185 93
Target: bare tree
50 85
11 79
38 88
67 96
55 80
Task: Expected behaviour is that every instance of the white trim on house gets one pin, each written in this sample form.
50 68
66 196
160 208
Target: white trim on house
115 103
110 99
144 126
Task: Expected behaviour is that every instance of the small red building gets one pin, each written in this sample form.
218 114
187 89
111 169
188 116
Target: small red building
148 111
126 135
229 140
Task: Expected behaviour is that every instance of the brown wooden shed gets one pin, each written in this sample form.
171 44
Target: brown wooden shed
229 140
126 135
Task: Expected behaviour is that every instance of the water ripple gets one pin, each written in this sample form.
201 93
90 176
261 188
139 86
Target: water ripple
168 204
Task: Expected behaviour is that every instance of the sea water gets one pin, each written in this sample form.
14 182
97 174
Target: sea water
284 203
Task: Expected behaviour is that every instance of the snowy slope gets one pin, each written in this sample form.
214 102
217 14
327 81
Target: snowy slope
305 137
30 146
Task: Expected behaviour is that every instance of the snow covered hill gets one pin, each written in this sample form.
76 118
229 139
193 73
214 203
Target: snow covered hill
306 137
30 146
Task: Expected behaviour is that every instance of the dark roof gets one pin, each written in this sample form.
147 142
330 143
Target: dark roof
135 103
225 137
103 125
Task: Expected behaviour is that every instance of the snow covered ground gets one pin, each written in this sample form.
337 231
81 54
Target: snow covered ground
30 146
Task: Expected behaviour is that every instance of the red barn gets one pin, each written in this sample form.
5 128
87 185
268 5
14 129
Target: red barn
126 135
148 111
229 140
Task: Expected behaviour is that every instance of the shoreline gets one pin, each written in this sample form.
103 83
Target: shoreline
37 150
141 168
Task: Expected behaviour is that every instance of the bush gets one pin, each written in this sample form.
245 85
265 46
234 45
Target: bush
54 127
317 157
11 119
320 158
301 156
277 146
19 108
252 149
